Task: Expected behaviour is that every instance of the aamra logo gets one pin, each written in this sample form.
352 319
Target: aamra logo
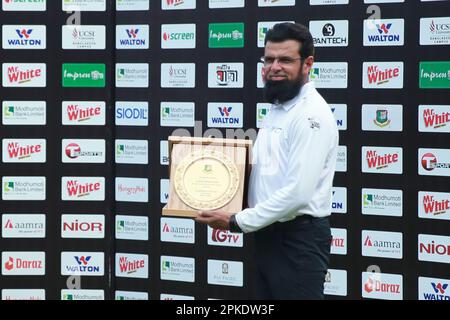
84 75
226 35
434 75
382 119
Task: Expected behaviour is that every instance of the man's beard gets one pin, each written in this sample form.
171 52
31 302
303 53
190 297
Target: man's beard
277 92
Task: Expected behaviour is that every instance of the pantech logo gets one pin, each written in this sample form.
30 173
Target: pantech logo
339 200
382 244
83 75
24 74
224 238
382 286
83 37
23 263
329 33
23 226
382 117
83 151
435 31
275 3
82 263
177 4
382 202
226 273
217 4
434 162
132 265
84 5
382 160
24 37
24 5
434 205
132 5
131 189
339 241
132 227
83 113
132 75
329 75
23 188
434 289
131 151
383 75
83 188
83 226
434 248
225 75
225 115
129 113
226 35
177 230
384 32
178 36
132 36
177 114
177 269
24 112
24 150
434 118
178 75
434 75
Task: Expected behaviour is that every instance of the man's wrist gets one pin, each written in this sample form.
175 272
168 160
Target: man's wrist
234 227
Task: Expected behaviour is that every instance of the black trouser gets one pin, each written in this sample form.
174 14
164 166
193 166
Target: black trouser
292 259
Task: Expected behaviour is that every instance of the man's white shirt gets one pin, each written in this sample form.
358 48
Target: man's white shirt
294 160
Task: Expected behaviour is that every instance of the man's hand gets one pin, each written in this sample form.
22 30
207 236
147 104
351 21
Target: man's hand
215 219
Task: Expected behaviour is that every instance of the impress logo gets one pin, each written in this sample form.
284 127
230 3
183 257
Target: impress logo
434 75
434 162
434 118
225 238
225 273
83 113
382 160
434 289
434 248
82 226
382 244
24 37
23 226
178 4
384 32
23 263
225 115
177 230
24 150
434 205
382 286
226 35
24 5
178 36
24 74
225 75
83 75
383 75
84 5
82 263
132 265
83 188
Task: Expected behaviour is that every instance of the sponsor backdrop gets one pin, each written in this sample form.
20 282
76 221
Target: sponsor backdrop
90 91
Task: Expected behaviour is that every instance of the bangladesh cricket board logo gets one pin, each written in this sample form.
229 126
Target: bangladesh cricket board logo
382 119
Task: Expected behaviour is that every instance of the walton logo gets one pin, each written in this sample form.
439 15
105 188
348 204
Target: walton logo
22 152
439 288
384 36
431 119
130 266
83 260
132 41
379 162
83 265
78 114
224 236
225 111
435 207
17 76
372 285
24 39
377 76
74 189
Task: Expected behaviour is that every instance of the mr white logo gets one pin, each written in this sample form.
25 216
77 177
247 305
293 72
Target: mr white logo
336 282
132 36
130 113
177 114
131 151
434 162
23 226
83 113
384 32
132 189
434 118
24 112
225 273
24 74
382 244
339 200
329 75
83 226
382 202
382 117
23 188
225 75
177 269
84 5
83 37
83 151
434 248
21 5
132 75
83 188
225 238
329 33
131 227
177 4
382 286
339 241
177 230
24 150
383 75
132 265
434 289
382 160
178 36
434 205
225 115
177 75
82 263
23 263
24 37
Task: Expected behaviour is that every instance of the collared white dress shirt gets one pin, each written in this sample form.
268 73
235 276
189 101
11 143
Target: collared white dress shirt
294 159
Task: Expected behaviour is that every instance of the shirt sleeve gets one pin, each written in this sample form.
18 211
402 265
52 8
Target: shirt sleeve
310 143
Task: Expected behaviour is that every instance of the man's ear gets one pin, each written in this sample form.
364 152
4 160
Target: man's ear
309 61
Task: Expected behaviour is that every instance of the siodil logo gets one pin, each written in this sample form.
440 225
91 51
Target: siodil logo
434 75
226 35
83 75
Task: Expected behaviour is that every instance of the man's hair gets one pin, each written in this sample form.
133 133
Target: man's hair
292 31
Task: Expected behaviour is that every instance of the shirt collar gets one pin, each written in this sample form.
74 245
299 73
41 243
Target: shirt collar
304 91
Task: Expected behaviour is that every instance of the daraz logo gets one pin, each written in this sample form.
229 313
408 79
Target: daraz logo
226 35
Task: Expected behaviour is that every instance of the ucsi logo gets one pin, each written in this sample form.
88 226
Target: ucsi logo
225 236
375 285
19 263
16 151
433 206
435 120
130 266
374 160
